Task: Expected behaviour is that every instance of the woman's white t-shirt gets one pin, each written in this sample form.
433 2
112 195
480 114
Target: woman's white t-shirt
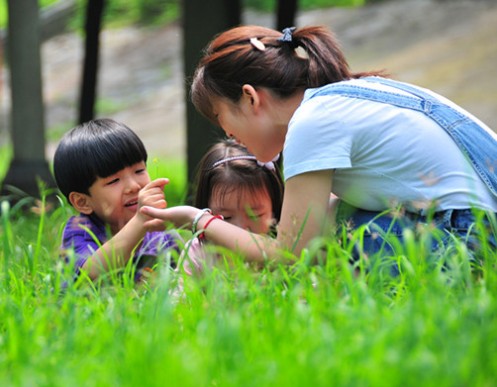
382 155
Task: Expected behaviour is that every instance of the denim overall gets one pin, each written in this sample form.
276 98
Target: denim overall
477 144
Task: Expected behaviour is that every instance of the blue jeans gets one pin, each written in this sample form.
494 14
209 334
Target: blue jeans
382 233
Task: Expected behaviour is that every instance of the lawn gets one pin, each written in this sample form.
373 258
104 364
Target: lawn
321 324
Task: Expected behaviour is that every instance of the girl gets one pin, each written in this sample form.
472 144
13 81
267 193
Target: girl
373 142
234 186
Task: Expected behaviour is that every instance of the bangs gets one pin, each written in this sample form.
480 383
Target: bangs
108 155
240 181
220 191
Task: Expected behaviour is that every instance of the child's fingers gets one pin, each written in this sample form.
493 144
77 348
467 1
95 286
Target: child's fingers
155 187
157 203
157 183
153 193
156 199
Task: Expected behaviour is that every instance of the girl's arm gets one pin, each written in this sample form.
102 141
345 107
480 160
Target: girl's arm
303 216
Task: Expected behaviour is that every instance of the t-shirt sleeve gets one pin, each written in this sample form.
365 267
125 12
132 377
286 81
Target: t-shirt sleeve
79 242
155 244
317 138
158 242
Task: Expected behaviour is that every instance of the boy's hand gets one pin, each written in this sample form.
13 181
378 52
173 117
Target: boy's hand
152 195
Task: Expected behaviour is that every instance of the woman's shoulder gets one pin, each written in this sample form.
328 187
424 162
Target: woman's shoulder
323 105
338 89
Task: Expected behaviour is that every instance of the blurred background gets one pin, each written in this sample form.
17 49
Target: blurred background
449 46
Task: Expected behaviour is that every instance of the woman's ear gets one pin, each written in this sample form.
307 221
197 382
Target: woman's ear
81 202
251 95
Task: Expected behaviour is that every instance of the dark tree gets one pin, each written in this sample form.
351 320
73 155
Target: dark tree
93 25
285 13
28 167
201 21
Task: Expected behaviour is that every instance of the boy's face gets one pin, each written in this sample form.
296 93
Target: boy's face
253 212
114 199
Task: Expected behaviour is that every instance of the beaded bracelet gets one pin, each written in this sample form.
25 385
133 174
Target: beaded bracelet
201 236
197 218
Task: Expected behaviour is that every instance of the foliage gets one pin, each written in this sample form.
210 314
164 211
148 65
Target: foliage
156 12
118 12
124 12
4 10
270 5
301 324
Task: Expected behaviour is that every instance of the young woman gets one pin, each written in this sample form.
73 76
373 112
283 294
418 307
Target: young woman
375 143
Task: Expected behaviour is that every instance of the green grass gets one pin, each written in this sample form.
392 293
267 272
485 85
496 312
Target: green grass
303 324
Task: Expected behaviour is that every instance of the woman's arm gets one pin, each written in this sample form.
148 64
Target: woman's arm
305 210
303 216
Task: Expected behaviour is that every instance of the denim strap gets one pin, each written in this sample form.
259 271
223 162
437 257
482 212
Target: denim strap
473 140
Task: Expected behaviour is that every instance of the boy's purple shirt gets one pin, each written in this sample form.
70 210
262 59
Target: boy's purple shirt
80 232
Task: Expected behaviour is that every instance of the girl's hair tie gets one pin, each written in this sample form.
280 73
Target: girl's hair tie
287 35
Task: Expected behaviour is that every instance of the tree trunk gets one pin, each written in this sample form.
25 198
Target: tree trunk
285 13
94 12
28 166
201 21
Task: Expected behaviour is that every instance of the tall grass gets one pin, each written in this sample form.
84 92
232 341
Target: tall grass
300 324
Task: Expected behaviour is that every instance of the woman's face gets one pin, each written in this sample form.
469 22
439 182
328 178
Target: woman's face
250 127
250 210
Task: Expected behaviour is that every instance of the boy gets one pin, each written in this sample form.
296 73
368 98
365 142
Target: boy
100 167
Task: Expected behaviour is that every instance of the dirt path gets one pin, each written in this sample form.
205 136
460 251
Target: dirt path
449 46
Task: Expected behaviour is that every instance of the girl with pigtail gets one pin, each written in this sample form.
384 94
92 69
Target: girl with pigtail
376 144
